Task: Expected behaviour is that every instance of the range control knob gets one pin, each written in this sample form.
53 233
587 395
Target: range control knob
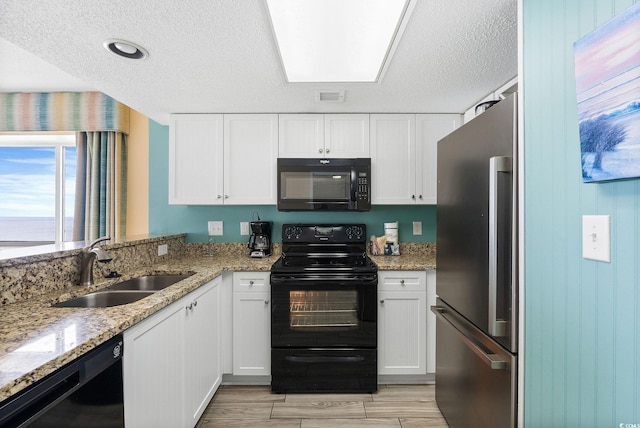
354 232
293 232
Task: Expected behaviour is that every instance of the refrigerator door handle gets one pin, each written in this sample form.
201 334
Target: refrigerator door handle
492 360
497 164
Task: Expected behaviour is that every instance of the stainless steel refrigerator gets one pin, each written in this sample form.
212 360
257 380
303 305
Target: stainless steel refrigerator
476 276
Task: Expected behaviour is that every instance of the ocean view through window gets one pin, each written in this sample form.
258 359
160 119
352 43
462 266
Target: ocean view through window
37 188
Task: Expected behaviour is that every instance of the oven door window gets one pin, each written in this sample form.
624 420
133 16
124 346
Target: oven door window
324 315
327 309
315 185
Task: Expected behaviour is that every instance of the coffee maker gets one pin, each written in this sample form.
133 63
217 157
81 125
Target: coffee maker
260 239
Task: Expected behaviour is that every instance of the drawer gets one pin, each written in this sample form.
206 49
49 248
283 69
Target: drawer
251 281
402 281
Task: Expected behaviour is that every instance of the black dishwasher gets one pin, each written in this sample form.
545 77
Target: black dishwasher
84 393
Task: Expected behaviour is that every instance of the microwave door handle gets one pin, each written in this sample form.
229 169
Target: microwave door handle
497 164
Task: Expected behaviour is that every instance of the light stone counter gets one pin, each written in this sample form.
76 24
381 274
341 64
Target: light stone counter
36 339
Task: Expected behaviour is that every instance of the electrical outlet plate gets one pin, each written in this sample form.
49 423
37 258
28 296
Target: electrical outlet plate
244 228
596 237
417 228
163 249
215 228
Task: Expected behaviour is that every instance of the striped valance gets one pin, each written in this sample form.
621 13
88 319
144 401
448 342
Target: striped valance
62 111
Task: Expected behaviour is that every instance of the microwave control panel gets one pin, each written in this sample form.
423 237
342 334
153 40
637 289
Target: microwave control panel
363 186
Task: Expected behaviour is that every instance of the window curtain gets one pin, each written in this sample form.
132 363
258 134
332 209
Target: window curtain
101 183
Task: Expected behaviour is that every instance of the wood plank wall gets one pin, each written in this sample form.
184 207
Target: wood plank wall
582 325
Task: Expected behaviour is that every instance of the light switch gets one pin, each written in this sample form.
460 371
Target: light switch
596 237
215 228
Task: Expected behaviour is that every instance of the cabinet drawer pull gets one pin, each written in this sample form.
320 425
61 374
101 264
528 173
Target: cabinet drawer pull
382 301
266 302
250 282
402 281
327 150
319 150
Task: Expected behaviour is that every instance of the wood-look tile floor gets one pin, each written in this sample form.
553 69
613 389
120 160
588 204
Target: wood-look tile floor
393 406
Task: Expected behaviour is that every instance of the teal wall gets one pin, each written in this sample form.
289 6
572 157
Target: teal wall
582 325
165 218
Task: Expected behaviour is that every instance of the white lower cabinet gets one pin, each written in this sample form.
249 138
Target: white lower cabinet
402 324
171 361
251 323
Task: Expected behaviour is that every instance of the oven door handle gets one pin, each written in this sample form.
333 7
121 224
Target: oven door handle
369 279
323 359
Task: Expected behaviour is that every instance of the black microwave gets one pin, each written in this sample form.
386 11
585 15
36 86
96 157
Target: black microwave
338 184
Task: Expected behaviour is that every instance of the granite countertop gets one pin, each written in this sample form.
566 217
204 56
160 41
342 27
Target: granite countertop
37 339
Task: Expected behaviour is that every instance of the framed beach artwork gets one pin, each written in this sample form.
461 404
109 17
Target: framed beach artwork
607 70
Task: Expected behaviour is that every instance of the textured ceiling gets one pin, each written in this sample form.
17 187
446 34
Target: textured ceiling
218 56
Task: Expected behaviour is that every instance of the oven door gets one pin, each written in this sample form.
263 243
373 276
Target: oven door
316 312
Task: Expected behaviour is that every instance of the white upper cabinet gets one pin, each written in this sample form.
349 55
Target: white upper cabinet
430 128
346 135
301 135
195 159
250 158
324 135
404 156
219 159
393 148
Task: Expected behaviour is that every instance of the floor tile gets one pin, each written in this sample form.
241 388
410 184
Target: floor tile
224 410
249 423
435 422
401 409
305 398
351 423
405 393
319 409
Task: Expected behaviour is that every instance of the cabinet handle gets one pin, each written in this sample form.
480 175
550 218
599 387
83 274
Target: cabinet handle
382 301
402 281
219 196
266 302
319 150
327 150
226 196
190 307
413 196
420 197
195 303
250 282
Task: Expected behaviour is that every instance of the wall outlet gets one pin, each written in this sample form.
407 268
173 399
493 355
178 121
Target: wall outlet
244 228
215 228
417 228
163 249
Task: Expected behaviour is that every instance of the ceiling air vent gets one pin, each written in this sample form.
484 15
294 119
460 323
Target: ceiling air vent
330 96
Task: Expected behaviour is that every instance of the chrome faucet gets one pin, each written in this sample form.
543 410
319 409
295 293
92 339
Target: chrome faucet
89 255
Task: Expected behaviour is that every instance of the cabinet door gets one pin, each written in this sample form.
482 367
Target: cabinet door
153 371
401 332
203 370
393 151
346 135
430 128
250 153
301 136
195 159
251 333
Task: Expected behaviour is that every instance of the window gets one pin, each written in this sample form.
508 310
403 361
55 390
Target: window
37 188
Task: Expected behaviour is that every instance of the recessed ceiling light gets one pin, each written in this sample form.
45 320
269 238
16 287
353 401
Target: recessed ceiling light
125 49
337 40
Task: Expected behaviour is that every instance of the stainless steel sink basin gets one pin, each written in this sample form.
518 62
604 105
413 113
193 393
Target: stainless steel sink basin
103 299
148 282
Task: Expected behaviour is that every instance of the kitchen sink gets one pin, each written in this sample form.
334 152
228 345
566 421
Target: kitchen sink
148 282
103 299
124 292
